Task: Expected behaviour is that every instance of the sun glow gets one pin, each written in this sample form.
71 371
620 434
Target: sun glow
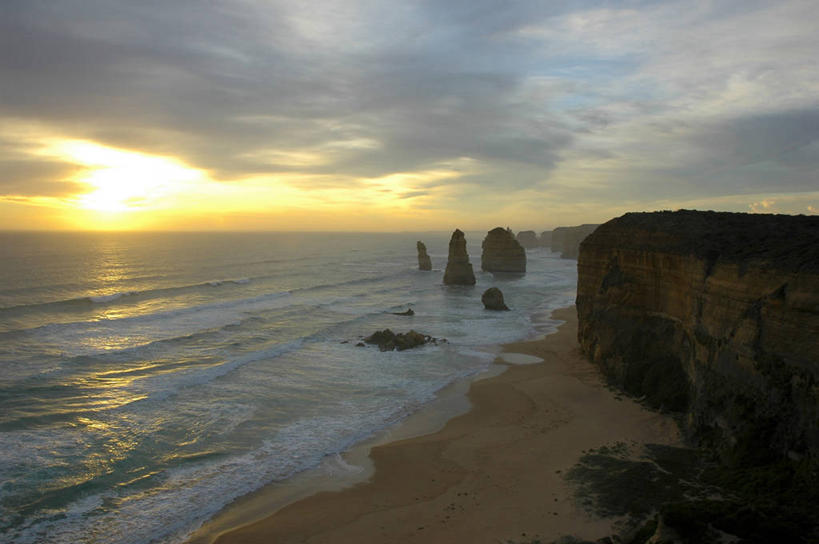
123 181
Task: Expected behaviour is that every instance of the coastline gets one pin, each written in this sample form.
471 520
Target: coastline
493 472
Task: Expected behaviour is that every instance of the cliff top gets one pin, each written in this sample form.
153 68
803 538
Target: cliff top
787 242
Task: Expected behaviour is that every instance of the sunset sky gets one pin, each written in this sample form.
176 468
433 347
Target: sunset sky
412 115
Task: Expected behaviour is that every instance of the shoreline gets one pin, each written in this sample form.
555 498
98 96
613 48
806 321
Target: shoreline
492 471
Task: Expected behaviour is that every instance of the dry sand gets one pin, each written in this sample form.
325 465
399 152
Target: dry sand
494 474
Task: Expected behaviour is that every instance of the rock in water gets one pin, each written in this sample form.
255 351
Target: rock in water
492 299
458 268
424 262
527 238
502 253
387 340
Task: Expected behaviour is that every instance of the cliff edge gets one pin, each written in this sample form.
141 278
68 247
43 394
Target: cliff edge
715 315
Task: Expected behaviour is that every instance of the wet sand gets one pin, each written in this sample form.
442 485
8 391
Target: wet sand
493 474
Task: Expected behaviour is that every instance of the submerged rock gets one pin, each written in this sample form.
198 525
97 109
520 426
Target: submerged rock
492 299
408 312
424 262
502 253
458 268
387 340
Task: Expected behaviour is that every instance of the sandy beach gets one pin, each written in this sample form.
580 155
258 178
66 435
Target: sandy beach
494 474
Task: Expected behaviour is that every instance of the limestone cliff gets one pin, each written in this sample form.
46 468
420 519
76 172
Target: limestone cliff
424 262
566 240
714 314
458 268
502 252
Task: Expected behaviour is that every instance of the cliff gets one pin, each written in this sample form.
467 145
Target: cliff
424 262
502 252
715 315
566 240
458 268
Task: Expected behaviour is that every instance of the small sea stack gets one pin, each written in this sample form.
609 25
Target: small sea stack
502 252
528 239
424 262
458 268
492 299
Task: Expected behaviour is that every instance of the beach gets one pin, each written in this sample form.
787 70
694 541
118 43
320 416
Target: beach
493 474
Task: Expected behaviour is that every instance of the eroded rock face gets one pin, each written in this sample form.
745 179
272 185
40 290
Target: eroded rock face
458 268
716 314
492 299
502 252
566 240
545 239
424 262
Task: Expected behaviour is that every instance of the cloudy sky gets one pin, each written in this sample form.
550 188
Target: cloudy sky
412 115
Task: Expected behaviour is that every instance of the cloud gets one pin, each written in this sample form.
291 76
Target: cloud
640 102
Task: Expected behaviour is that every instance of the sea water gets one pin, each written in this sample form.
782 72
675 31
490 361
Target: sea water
148 379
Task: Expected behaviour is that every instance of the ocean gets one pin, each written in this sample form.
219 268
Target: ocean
149 379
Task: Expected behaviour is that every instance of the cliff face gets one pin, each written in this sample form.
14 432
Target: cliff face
527 239
713 313
458 268
502 252
566 240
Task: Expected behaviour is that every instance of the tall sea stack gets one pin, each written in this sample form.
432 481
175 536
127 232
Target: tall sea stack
502 252
424 262
458 268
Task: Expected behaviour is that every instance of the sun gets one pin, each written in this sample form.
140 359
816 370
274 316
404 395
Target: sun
123 181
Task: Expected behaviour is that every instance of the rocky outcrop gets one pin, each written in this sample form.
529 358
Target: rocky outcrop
527 239
566 240
424 262
387 340
713 314
545 239
458 268
492 299
502 253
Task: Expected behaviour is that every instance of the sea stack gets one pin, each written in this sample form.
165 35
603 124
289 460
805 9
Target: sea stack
424 262
527 239
502 252
458 268
492 299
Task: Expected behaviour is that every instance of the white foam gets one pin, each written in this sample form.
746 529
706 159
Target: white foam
520 359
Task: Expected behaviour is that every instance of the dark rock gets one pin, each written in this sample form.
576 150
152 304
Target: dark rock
424 262
360 345
714 314
458 268
408 312
345 341
502 253
527 239
492 299
387 340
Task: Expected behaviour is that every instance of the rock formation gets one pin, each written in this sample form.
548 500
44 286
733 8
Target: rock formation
545 239
458 268
713 314
566 240
387 340
409 312
424 262
502 253
492 299
527 239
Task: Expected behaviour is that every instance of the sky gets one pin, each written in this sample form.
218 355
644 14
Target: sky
402 116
